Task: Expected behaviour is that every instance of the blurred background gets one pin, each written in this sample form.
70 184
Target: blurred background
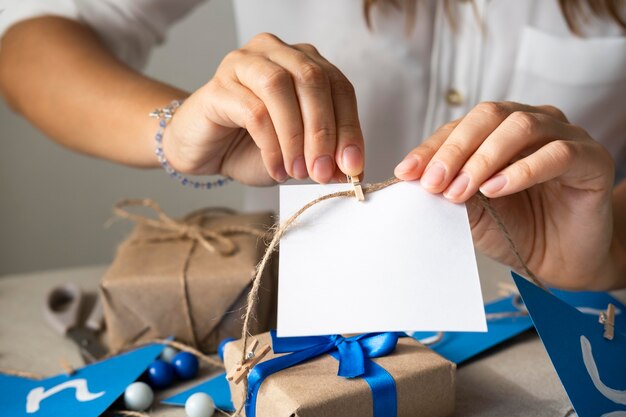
54 203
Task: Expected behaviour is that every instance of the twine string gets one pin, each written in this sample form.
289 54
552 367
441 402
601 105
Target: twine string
186 348
495 216
185 295
183 347
130 413
21 374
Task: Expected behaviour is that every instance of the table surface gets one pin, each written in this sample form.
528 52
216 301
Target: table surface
515 379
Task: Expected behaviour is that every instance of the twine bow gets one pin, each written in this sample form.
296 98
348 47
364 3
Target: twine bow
211 239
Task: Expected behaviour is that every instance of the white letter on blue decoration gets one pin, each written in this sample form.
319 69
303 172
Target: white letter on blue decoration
37 395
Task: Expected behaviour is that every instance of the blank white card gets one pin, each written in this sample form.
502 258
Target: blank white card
401 260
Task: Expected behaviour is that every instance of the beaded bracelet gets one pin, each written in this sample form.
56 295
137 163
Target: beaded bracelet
164 115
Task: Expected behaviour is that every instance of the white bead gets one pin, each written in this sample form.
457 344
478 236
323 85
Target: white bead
199 405
168 354
138 396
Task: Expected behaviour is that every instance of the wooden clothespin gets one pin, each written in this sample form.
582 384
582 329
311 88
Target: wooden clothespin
608 320
252 358
356 185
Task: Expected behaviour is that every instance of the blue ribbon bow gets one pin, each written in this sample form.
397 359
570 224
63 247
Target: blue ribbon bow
354 355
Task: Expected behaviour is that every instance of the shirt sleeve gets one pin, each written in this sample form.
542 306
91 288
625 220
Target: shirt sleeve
128 28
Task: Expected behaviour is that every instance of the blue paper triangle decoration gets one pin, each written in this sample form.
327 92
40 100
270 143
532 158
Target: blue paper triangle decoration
591 368
86 393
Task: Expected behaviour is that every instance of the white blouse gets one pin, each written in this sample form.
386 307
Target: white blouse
407 83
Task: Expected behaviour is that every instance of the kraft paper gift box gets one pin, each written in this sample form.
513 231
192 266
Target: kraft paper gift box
187 279
423 381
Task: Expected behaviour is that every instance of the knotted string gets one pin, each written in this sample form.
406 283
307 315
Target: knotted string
190 228
368 189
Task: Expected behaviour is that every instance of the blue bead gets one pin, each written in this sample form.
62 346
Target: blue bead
161 374
186 365
209 185
162 123
222 346
184 181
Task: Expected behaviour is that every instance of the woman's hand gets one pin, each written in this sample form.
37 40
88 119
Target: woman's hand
550 182
272 111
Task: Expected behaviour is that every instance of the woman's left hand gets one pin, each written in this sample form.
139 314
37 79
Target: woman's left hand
549 180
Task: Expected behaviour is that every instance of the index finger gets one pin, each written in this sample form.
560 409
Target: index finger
413 165
350 150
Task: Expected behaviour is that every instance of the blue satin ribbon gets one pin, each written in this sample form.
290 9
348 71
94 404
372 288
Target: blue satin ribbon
354 355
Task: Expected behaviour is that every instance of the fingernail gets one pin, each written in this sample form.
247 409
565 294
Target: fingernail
434 176
352 160
408 164
299 168
323 168
494 185
281 174
458 186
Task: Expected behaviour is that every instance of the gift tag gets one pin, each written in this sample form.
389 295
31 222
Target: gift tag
86 393
216 387
383 264
591 368
461 346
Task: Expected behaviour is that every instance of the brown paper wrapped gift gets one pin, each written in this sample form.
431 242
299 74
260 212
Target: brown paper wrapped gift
187 279
424 385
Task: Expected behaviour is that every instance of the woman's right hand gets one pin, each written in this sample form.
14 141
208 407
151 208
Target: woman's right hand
272 111
551 183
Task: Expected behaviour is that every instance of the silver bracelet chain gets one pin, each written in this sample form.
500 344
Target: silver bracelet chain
164 115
